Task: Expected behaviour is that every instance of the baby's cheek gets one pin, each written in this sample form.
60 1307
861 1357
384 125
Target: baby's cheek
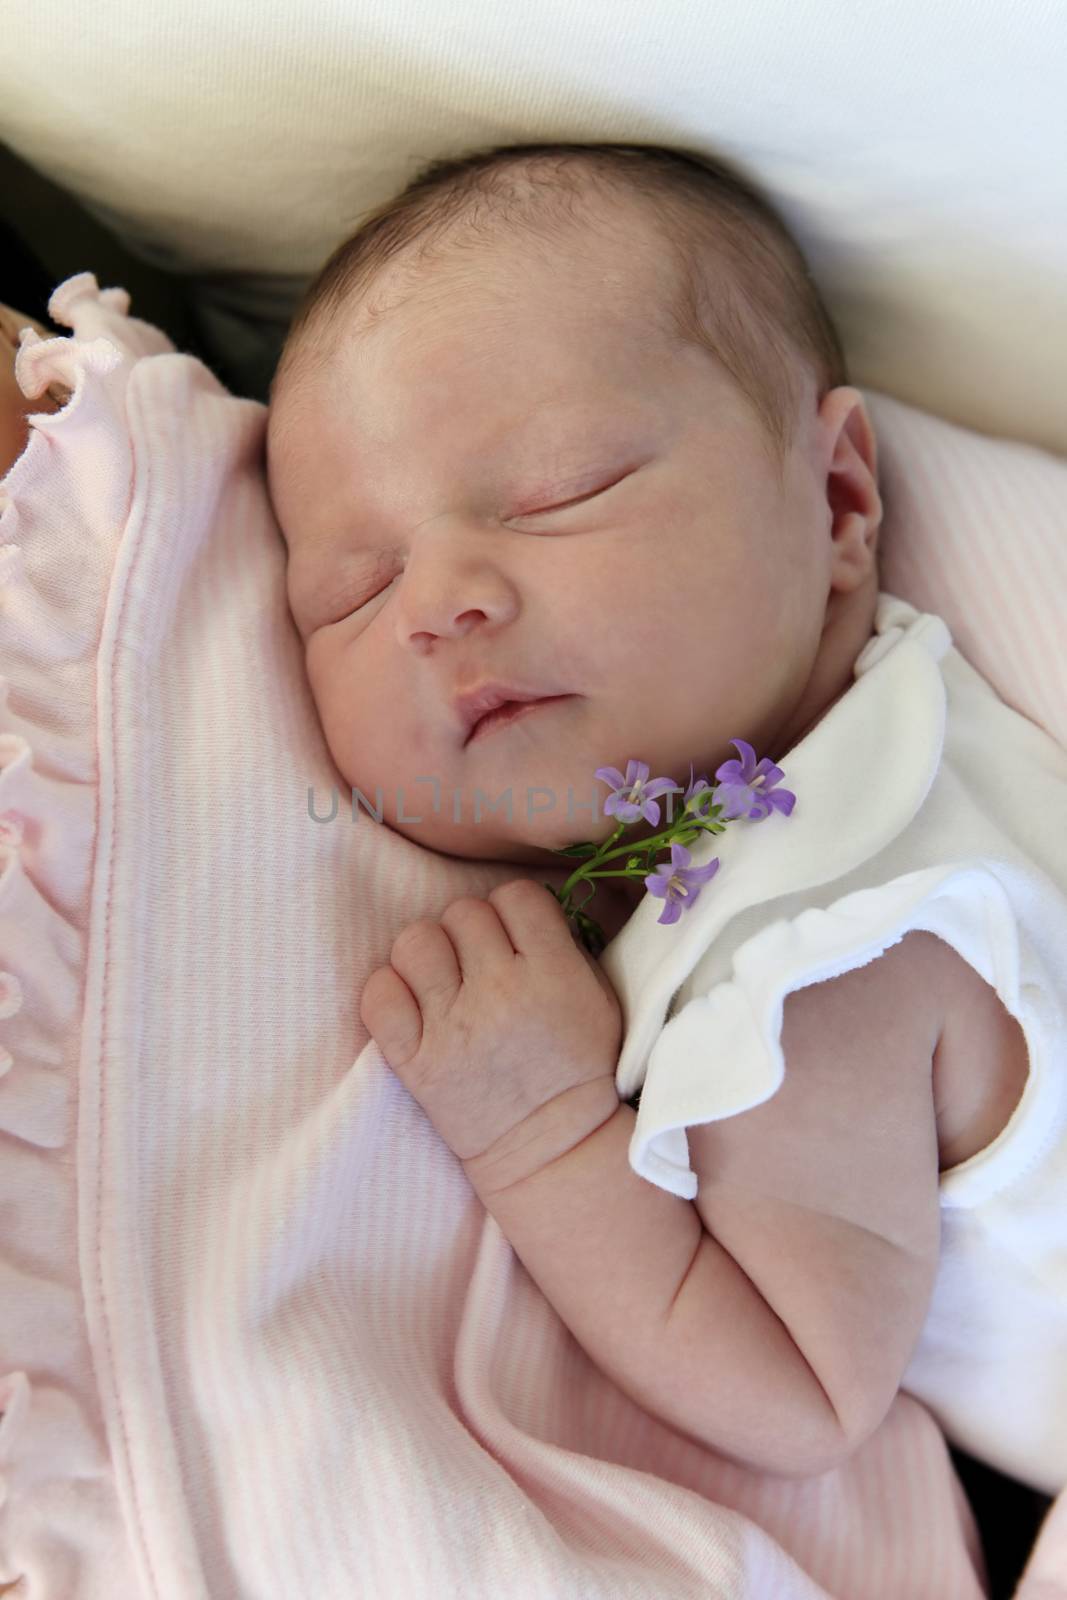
348 731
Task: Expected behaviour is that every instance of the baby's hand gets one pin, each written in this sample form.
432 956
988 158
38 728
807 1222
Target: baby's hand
491 1013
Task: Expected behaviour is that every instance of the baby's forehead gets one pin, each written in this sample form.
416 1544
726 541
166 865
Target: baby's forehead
610 261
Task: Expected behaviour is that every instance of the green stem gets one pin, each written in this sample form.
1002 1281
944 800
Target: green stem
577 875
630 872
688 829
681 832
691 825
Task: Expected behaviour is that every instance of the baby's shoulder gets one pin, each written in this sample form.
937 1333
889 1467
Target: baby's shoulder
907 982
850 1130
980 1060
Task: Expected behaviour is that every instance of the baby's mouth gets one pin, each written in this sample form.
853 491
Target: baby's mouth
511 711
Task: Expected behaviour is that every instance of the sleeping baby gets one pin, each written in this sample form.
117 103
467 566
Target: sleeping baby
571 478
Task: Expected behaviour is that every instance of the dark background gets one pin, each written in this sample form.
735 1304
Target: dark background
46 236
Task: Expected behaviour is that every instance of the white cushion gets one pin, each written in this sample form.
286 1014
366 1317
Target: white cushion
917 150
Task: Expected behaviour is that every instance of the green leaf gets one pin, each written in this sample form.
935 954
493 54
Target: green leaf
578 850
590 934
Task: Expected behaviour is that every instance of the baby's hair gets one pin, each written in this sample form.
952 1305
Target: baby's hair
743 290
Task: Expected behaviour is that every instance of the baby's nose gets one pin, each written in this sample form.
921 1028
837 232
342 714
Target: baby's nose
442 595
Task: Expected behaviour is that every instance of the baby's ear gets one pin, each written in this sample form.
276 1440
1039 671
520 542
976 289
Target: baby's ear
852 493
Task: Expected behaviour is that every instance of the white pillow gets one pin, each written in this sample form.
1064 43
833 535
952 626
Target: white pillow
241 1274
918 156
976 530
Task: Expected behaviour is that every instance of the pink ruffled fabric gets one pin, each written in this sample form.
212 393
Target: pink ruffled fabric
61 1527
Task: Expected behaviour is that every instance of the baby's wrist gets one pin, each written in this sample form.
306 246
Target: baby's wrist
548 1134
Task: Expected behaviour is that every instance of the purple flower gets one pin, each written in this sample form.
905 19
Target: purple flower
696 785
634 797
678 883
745 788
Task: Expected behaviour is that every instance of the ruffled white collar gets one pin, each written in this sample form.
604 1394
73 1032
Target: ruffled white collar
859 776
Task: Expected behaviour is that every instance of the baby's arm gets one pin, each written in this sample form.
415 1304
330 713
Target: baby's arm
826 1196
772 1318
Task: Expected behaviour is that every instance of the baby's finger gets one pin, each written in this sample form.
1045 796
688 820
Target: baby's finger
601 977
478 936
391 1016
532 917
425 958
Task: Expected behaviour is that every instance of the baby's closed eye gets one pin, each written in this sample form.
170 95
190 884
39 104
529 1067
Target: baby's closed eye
576 500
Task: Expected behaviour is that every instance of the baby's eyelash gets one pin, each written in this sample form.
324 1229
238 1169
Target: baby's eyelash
378 592
565 505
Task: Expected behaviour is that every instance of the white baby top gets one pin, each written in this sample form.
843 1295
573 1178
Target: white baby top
923 801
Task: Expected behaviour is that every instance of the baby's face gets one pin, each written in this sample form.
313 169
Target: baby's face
513 478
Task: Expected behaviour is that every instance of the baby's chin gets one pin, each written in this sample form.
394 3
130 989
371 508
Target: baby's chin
538 844
468 843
